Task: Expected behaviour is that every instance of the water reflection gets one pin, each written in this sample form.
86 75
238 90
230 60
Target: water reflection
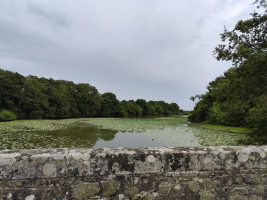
89 136
80 135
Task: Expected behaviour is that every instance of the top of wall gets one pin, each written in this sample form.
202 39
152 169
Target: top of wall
42 163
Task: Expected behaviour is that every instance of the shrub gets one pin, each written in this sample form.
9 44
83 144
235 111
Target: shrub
6 115
258 116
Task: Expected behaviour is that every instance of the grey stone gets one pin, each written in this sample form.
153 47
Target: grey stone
120 173
49 170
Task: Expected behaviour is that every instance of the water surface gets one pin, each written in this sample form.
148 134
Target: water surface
88 136
112 132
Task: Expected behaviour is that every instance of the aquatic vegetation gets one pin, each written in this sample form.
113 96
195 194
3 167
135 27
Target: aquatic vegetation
176 130
85 132
35 125
23 140
136 124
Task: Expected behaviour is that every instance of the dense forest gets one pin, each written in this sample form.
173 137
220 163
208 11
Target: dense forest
34 98
239 96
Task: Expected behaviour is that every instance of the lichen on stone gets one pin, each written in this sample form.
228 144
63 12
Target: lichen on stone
237 197
206 196
110 187
239 190
132 191
254 197
193 186
85 190
165 187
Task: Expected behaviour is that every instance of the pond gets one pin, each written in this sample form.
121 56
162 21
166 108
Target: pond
111 132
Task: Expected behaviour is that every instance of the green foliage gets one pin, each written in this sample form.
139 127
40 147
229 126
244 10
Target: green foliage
35 98
138 110
144 105
11 91
110 105
238 98
258 114
216 116
200 112
122 112
129 108
159 110
174 108
152 110
6 115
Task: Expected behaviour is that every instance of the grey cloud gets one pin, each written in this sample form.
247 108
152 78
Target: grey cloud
57 19
156 50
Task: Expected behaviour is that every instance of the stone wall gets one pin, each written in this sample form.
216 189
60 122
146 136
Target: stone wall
208 173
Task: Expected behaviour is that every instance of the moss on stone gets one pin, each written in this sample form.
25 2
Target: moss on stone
85 190
193 186
13 184
238 180
259 190
237 197
132 191
229 182
210 185
254 197
143 196
164 187
110 187
150 196
239 190
206 196
255 179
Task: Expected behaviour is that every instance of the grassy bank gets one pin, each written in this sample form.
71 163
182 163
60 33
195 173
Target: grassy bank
182 116
230 129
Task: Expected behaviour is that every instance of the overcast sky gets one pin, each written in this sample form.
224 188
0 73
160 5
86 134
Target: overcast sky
150 49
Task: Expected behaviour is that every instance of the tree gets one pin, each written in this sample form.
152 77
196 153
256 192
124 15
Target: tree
122 111
262 3
110 105
152 110
166 107
246 41
159 110
238 97
144 105
129 108
11 91
87 99
174 109
138 110
35 99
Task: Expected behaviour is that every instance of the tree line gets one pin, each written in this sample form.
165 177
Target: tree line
34 98
239 96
